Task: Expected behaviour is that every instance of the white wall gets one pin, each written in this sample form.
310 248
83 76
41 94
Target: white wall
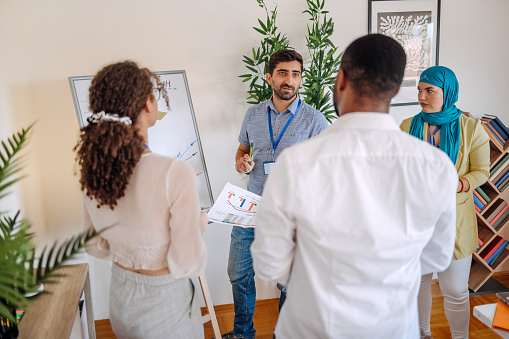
44 42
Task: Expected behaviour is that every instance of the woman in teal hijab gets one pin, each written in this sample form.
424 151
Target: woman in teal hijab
442 124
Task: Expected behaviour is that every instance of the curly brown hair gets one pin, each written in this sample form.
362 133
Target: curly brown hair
108 151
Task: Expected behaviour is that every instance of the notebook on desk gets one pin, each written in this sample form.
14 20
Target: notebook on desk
501 317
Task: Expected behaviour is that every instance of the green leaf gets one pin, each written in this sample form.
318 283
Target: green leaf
254 70
259 31
263 26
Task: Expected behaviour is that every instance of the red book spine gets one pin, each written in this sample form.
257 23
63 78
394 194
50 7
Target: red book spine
493 250
480 198
499 215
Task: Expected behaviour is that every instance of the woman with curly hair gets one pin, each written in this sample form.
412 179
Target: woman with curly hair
147 206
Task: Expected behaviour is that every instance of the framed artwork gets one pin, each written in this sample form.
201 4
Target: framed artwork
416 25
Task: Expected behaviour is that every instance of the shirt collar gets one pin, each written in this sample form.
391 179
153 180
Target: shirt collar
292 109
366 120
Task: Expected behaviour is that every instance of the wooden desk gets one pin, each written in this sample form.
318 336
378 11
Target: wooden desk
52 313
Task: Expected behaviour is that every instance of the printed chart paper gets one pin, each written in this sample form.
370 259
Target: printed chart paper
235 206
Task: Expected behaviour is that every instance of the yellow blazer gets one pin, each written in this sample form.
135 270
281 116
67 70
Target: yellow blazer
473 164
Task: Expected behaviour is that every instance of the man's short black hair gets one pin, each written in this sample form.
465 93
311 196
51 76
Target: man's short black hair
284 55
374 64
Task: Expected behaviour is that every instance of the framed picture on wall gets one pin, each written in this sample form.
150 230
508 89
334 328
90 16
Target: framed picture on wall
416 25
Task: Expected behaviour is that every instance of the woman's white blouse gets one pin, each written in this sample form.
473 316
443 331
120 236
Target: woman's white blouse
156 224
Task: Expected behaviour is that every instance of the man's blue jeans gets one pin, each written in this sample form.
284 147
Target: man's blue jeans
241 273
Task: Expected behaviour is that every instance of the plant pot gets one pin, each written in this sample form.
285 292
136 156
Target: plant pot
9 331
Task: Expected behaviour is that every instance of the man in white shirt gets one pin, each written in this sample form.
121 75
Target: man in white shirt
352 218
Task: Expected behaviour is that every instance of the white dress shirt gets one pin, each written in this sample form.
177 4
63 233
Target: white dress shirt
349 221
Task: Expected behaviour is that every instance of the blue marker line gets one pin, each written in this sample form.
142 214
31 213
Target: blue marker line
181 155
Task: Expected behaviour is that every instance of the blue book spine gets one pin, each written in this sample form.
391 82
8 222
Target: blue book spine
497 253
478 203
494 125
502 126
502 179
491 130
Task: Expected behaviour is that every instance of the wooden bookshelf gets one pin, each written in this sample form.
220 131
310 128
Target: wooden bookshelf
480 271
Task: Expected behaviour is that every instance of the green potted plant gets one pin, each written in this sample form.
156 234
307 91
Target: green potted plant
317 79
272 41
17 254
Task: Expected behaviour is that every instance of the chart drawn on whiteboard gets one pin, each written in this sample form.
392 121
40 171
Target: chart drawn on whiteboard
175 133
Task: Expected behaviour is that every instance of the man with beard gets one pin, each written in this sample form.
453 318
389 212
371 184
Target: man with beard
350 220
270 126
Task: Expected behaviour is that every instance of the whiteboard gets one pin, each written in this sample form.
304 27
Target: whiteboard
175 132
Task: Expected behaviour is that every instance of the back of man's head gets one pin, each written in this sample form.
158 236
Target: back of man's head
374 66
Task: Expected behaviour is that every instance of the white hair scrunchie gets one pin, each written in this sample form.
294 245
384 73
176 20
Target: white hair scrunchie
97 117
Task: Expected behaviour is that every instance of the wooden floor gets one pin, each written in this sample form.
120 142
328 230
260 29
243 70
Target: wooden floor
266 313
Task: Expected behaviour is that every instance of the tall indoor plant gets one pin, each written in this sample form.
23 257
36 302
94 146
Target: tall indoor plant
272 41
318 77
17 253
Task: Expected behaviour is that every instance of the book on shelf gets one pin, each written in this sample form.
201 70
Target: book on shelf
504 187
501 219
492 136
495 129
502 129
497 253
483 194
479 241
477 208
492 248
496 211
499 215
499 167
503 183
502 179
500 173
484 202
478 202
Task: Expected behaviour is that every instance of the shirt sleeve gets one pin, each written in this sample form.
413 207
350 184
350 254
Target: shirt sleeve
187 252
479 158
273 249
438 252
319 124
97 246
243 136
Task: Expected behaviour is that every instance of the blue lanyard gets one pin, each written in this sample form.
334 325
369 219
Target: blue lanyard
432 142
274 145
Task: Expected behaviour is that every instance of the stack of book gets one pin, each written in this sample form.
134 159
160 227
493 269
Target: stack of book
499 175
494 249
497 131
481 199
499 215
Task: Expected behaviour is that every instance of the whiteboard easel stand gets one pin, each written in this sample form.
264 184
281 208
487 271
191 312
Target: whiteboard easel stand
211 316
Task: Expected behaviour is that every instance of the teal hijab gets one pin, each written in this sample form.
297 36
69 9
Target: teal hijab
448 119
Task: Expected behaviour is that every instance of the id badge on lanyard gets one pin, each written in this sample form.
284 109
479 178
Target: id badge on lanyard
267 165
